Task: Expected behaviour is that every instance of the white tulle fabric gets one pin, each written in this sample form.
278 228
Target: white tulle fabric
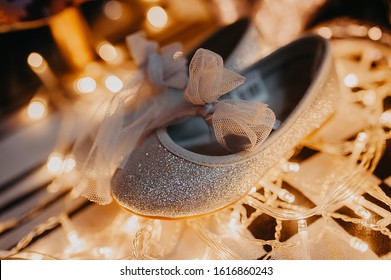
238 124
127 117
131 115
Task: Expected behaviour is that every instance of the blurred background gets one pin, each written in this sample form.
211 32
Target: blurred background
70 35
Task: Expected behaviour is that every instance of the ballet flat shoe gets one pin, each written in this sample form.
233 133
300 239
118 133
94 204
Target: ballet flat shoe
173 173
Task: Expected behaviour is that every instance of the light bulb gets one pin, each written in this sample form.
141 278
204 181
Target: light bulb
107 52
35 60
358 244
55 163
113 83
113 10
375 33
157 17
36 110
86 85
350 80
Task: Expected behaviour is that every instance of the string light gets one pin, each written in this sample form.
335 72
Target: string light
76 244
113 83
36 257
227 11
113 10
359 210
108 52
293 167
360 153
55 163
86 85
36 109
375 33
131 225
303 233
252 191
41 68
385 118
350 80
106 252
359 145
369 98
283 194
157 17
35 60
358 244
69 164
325 32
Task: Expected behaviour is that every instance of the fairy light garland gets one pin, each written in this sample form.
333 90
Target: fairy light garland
142 238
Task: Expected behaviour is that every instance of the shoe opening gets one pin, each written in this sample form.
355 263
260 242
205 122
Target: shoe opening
280 80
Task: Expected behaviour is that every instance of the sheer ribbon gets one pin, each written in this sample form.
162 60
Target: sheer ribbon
239 125
166 67
98 151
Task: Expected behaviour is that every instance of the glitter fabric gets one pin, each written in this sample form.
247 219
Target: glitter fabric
163 180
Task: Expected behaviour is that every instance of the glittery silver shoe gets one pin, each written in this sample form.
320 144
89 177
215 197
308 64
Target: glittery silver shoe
180 171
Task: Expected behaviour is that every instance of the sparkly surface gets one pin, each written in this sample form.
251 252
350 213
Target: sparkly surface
163 180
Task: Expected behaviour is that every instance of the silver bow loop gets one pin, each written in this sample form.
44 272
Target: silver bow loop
162 67
208 79
140 48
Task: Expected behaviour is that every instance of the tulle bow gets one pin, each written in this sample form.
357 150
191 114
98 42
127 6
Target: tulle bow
238 124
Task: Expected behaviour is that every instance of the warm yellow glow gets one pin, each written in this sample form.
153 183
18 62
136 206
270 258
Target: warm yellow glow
293 167
386 118
36 257
107 52
36 110
113 10
107 252
369 98
283 194
86 85
113 83
362 137
35 60
302 226
70 32
227 11
364 213
325 32
131 225
76 244
286 196
157 17
253 190
358 244
350 80
375 33
69 164
55 163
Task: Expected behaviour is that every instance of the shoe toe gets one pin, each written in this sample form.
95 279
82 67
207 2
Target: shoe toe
157 183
